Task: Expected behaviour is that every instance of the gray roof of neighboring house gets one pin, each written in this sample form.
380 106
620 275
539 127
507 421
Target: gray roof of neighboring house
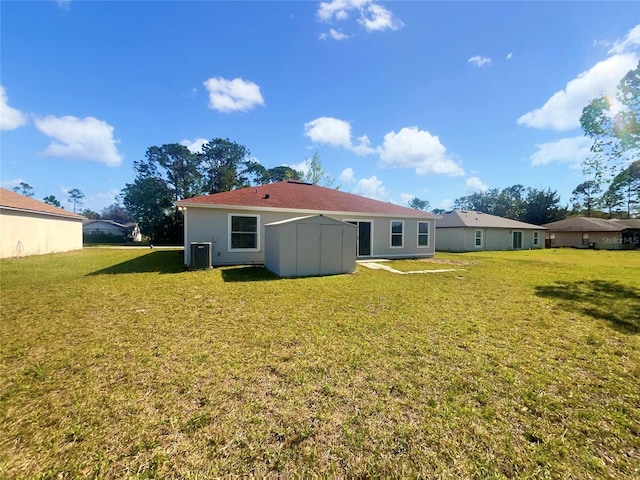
589 224
128 227
629 222
90 221
471 219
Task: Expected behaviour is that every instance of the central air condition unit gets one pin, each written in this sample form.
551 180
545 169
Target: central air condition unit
200 255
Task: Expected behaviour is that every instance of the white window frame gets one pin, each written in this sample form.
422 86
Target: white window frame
536 239
585 238
230 233
391 234
428 234
476 237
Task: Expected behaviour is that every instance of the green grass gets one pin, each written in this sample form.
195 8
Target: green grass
121 364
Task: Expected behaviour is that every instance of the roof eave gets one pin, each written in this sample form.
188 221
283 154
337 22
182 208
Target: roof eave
187 204
40 212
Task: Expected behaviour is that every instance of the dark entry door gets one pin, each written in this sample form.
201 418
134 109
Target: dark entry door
364 238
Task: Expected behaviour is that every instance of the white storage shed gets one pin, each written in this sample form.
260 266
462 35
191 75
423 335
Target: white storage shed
310 246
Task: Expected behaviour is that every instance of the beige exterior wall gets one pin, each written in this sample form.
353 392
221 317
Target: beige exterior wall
463 239
602 240
29 233
211 225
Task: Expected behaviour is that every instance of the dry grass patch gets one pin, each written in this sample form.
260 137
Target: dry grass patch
119 363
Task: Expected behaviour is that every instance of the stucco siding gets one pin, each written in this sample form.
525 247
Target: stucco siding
211 225
601 240
464 239
29 233
451 240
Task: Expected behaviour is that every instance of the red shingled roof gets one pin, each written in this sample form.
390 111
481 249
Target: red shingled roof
304 197
15 201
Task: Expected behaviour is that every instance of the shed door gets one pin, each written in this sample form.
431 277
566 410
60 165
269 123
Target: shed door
308 250
330 249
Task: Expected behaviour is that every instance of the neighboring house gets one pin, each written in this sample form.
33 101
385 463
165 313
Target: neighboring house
31 227
469 231
234 222
108 228
599 233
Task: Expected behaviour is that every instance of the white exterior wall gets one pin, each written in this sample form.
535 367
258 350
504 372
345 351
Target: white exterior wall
211 225
29 233
103 228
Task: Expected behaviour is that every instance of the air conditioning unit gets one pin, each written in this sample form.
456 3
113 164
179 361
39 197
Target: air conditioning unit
200 255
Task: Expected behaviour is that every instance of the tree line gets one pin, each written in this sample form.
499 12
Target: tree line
172 172
613 166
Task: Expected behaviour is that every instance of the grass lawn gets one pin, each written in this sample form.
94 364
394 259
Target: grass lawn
119 364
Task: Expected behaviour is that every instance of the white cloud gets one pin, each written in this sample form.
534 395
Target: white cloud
479 61
10 184
233 95
371 187
377 18
337 133
406 197
329 130
445 204
10 117
567 150
64 4
372 16
629 43
196 145
347 176
363 147
563 110
302 167
338 9
80 138
335 34
473 185
509 56
417 149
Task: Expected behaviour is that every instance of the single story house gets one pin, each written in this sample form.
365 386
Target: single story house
32 227
599 233
97 228
234 222
469 231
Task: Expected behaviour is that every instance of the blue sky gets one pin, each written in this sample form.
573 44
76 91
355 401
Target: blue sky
434 100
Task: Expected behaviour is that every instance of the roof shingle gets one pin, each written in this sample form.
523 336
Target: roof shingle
470 219
304 197
586 224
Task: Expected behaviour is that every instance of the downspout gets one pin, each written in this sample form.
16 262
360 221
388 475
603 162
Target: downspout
185 230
